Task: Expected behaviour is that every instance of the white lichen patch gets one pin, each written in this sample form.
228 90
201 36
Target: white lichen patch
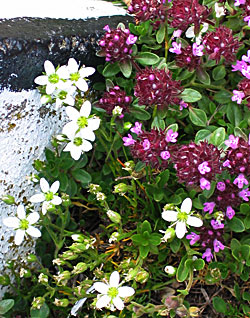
26 128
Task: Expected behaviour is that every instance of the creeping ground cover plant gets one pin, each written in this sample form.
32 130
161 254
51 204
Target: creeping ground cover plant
141 207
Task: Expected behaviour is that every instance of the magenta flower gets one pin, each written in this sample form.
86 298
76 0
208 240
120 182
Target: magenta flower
146 144
205 184
176 48
145 10
246 58
230 212
221 186
187 59
209 207
128 141
218 246
237 96
240 181
232 142
183 105
204 168
247 19
217 224
239 2
177 33
171 136
208 255
244 194
239 66
197 49
193 237
165 155
137 128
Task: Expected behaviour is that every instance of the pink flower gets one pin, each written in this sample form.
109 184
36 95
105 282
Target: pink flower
237 96
205 184
146 144
239 66
176 48
171 136
218 246
244 194
193 237
247 19
230 212
197 49
137 128
165 155
204 168
183 105
221 186
239 2
208 255
232 142
240 181
131 39
246 58
209 207
177 33
128 140
217 224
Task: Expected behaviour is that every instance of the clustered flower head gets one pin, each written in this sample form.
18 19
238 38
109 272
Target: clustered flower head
115 97
151 147
197 164
244 89
221 43
186 12
116 45
187 58
147 10
156 87
62 83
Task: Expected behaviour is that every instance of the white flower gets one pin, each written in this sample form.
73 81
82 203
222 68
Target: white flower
219 11
53 78
77 145
111 293
81 122
48 195
23 224
65 95
182 217
190 33
77 76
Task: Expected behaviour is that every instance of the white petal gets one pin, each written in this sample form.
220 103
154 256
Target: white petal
114 279
11 222
170 216
194 221
50 88
69 100
19 236
180 229
87 133
94 123
49 67
33 231
44 185
72 66
118 303
103 301
82 85
41 80
186 205
55 186
33 217
45 207
56 200
75 152
72 113
63 72
125 291
21 212
70 129
86 71
86 146
37 198
85 109
101 287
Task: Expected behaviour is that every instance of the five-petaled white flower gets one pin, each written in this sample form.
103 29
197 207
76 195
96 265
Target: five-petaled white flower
111 293
48 195
23 224
77 76
182 217
53 77
81 122
77 145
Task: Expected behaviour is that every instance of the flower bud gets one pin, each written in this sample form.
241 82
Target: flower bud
117 111
62 278
113 237
142 276
37 302
129 166
100 196
127 125
58 261
77 237
169 235
94 188
43 279
31 258
121 188
132 274
8 199
169 206
25 273
65 199
68 255
114 216
61 302
79 268
170 270
4 280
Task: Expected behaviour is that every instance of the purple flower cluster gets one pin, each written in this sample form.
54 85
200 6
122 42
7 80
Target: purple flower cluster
147 10
116 45
115 97
151 147
156 87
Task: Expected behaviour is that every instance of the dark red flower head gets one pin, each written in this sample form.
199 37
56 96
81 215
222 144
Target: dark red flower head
148 10
185 12
221 43
116 45
197 164
156 87
115 97
187 60
244 86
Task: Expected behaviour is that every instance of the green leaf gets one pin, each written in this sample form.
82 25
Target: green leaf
160 35
111 70
63 178
190 95
203 76
139 166
6 305
235 244
147 58
219 305
158 123
174 127
202 134
219 72
43 312
158 195
146 226
222 97
155 239
144 250
246 296
140 113
126 68
236 225
82 176
175 245
238 132
50 155
218 136
164 176
137 239
72 188
182 271
234 114
198 117
199 264
66 163
247 222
